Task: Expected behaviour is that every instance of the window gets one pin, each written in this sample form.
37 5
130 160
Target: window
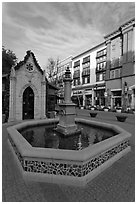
86 59
29 67
104 75
86 80
112 74
117 73
97 77
100 77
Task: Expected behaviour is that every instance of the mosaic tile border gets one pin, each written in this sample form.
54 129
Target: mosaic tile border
68 169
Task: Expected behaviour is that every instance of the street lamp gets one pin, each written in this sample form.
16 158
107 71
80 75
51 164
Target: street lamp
125 94
96 94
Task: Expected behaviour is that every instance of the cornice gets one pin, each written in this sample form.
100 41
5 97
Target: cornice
112 35
128 24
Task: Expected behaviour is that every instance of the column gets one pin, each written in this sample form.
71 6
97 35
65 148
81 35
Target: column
43 97
12 102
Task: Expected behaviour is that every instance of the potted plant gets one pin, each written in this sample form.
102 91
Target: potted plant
121 118
92 108
106 109
93 114
118 109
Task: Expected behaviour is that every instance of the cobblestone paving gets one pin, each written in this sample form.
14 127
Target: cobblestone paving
116 184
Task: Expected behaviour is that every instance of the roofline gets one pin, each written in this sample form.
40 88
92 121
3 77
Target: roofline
119 29
132 19
66 59
93 48
114 33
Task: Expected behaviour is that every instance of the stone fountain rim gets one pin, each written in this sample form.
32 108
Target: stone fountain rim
26 150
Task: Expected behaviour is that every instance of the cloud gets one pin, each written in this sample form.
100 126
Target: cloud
53 29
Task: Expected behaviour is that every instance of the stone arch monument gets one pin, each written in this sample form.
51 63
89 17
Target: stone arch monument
27 90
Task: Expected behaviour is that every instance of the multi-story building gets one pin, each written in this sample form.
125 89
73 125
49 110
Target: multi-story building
62 65
120 75
100 77
128 64
87 89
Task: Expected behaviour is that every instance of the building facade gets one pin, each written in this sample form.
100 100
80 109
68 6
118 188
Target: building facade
27 90
120 71
62 65
31 95
88 71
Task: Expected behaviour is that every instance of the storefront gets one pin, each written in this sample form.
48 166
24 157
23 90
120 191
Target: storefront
77 98
89 97
99 99
116 98
131 97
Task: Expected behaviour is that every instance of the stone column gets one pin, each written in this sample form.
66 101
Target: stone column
43 97
67 86
12 102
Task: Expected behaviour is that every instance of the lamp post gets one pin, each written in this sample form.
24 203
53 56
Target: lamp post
125 94
96 94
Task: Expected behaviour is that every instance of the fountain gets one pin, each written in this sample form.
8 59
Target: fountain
66 166
67 125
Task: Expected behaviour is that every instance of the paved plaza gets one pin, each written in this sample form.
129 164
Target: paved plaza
116 184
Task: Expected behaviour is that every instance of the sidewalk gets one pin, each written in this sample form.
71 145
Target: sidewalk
116 184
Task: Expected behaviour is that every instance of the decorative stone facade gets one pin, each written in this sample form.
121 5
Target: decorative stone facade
66 169
27 73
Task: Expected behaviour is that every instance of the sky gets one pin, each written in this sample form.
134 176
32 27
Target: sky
60 29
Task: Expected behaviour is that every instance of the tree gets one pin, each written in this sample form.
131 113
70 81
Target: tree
8 60
52 70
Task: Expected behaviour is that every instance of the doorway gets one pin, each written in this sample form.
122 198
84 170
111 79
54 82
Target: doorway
28 104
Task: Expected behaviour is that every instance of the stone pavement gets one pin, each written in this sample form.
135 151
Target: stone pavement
116 184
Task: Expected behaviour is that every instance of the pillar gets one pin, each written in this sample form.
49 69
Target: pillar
67 86
43 97
12 102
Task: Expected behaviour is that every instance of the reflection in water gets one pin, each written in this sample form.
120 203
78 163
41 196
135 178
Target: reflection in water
47 137
29 136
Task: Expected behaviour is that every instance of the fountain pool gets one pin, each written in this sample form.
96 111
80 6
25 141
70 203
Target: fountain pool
47 137
67 166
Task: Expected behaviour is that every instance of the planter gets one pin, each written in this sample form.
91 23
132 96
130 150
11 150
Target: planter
106 109
121 118
118 111
93 115
93 108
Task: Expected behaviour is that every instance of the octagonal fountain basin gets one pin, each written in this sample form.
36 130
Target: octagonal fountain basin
45 156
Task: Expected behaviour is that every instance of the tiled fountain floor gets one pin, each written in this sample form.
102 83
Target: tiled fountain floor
115 184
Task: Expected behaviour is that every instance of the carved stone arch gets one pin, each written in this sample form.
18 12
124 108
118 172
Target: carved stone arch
29 85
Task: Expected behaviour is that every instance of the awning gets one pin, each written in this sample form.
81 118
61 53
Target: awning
132 87
116 89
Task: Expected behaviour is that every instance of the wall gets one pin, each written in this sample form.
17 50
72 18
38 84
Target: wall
22 80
